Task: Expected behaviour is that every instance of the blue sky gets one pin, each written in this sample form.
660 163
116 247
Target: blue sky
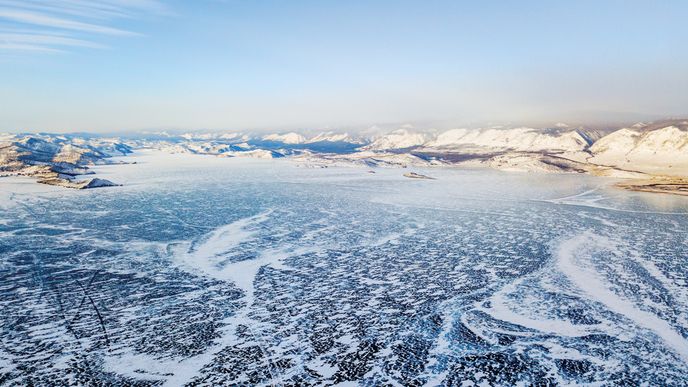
108 65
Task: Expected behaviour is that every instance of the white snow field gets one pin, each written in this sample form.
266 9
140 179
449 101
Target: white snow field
202 270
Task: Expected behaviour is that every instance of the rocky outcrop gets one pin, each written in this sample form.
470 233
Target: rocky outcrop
55 160
667 185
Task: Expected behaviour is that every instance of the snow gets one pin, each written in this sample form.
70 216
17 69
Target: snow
334 137
366 158
287 269
659 148
398 139
613 147
208 256
287 138
519 139
517 163
500 309
573 259
255 153
660 151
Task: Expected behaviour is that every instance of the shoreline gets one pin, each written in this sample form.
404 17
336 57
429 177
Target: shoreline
632 180
659 184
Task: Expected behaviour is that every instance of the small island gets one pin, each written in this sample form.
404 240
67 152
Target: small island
413 175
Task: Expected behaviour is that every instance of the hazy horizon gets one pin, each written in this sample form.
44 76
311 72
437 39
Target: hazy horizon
131 65
361 130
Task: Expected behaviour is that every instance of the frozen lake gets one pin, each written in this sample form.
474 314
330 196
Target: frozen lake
216 271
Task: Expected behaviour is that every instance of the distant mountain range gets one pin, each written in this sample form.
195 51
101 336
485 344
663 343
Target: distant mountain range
656 148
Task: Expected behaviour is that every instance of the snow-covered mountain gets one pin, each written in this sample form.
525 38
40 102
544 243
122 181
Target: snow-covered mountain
286 138
327 142
398 139
231 136
486 141
645 148
658 148
336 137
518 139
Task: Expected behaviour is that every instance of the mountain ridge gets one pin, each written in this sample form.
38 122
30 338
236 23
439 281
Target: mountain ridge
640 150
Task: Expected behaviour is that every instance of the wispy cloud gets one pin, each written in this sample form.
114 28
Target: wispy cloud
27 47
52 25
55 22
42 40
102 9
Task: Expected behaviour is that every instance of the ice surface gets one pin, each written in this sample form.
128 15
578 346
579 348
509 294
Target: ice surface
583 274
213 271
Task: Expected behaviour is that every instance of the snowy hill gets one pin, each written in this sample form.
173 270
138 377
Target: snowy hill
398 139
366 158
518 139
55 160
286 138
332 142
645 148
336 137
255 153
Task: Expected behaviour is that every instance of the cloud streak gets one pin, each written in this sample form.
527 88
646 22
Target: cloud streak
102 9
42 20
27 47
42 40
52 25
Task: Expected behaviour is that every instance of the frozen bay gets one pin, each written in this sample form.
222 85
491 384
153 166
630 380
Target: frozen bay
219 271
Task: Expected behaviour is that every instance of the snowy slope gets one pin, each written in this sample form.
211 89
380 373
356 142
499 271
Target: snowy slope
613 148
398 139
518 139
287 138
335 137
663 150
367 158
255 153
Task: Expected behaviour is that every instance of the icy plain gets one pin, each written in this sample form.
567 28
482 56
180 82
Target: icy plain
216 271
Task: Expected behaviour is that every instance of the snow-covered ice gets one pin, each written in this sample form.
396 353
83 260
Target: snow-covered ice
202 270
